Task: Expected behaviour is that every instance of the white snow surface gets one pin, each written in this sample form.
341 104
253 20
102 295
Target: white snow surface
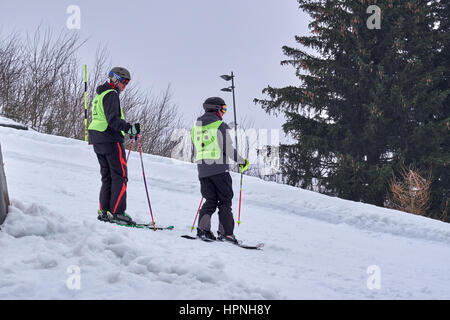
4 120
316 247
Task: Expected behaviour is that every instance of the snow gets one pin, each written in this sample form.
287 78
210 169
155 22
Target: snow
7 121
316 247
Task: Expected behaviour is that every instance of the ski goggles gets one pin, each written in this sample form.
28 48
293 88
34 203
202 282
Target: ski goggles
224 109
121 80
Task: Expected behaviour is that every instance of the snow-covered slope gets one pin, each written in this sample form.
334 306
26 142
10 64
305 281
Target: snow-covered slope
5 122
316 247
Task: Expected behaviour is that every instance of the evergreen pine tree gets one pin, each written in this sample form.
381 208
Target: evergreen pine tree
369 100
441 157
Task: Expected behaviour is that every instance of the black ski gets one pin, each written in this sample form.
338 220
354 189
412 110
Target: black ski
195 238
138 225
144 226
259 246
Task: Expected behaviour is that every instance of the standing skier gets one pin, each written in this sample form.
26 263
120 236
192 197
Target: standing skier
106 133
213 149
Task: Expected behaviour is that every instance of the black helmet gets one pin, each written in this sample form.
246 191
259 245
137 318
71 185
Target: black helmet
215 104
120 74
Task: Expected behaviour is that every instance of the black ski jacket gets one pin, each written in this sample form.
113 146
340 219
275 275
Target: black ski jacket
225 142
111 106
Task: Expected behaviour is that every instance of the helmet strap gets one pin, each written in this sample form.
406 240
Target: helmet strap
219 114
112 84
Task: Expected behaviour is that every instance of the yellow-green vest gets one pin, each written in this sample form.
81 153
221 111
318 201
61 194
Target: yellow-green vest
205 140
99 122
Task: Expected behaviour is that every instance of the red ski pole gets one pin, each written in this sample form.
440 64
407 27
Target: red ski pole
129 151
193 225
145 181
240 198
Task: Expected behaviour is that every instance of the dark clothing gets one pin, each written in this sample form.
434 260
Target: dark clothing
207 169
108 145
111 107
113 169
215 180
218 193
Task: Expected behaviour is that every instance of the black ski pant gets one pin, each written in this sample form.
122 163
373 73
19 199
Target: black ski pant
218 193
113 169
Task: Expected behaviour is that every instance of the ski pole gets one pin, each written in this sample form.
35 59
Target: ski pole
145 181
240 198
85 105
129 151
192 228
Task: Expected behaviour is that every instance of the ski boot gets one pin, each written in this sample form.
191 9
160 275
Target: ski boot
205 235
104 215
120 218
230 238
123 218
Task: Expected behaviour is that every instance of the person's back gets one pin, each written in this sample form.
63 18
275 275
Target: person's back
226 154
213 150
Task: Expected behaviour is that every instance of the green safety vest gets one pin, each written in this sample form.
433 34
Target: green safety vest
99 122
206 142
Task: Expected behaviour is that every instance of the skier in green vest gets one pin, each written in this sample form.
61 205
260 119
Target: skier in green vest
106 134
213 150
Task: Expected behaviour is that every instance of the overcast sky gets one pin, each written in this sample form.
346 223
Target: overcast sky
184 43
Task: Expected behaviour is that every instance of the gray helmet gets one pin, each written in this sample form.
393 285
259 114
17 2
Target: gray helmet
119 74
214 104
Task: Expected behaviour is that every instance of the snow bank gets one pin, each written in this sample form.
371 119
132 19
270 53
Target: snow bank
5 122
316 247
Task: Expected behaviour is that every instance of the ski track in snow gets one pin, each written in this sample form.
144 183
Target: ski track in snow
316 247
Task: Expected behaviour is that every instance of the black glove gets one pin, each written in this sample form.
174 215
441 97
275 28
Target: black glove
134 130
